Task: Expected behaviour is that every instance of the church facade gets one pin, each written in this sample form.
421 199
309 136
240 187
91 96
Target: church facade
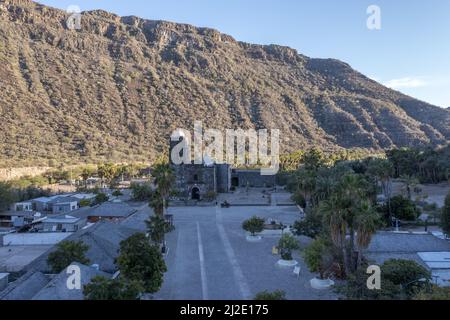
200 181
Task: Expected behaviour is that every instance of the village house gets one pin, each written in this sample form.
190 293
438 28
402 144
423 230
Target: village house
110 211
64 204
22 206
62 224
19 219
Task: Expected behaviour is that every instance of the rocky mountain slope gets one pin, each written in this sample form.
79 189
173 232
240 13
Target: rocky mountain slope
117 87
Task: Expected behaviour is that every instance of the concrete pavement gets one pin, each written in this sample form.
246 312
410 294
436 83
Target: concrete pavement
209 257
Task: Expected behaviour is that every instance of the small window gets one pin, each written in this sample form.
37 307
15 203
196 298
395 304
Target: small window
195 177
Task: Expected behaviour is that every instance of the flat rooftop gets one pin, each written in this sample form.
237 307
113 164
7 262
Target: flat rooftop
15 258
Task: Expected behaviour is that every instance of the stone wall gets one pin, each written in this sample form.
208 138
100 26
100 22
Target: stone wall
253 178
189 176
223 178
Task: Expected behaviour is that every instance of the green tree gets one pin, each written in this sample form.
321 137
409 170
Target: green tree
311 226
157 203
120 172
7 195
305 184
140 261
318 257
402 208
106 171
366 222
383 170
299 199
67 252
141 191
348 211
102 288
86 173
132 170
445 216
292 161
253 225
287 244
355 288
435 293
407 274
313 159
85 203
266 295
101 198
400 280
157 228
164 179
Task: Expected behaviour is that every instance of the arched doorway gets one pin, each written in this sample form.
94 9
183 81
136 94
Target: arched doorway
195 193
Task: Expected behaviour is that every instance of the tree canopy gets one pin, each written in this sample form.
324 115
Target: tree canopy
253 225
67 252
445 217
101 288
140 261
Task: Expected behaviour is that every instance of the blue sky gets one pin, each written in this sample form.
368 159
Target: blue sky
410 53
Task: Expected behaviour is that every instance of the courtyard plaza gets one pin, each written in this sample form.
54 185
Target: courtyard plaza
209 257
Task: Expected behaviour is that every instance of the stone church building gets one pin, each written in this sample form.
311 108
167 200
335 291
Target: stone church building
199 181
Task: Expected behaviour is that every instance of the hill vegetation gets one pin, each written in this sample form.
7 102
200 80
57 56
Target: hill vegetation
116 88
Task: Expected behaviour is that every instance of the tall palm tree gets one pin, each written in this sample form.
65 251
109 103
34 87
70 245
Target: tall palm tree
383 170
410 182
306 183
85 174
164 180
347 212
157 228
335 218
366 224
157 204
325 185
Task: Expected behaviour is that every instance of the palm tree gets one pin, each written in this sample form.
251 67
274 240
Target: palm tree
157 228
306 183
324 187
101 172
410 182
156 224
157 204
85 174
164 180
313 159
366 224
382 170
348 212
106 171
334 217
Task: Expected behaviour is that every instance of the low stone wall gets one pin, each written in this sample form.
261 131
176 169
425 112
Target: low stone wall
7 174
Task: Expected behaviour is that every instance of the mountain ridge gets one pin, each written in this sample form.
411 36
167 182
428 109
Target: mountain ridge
115 89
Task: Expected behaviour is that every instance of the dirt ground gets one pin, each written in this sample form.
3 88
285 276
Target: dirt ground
431 193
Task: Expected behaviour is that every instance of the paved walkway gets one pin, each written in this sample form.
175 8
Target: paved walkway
209 257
